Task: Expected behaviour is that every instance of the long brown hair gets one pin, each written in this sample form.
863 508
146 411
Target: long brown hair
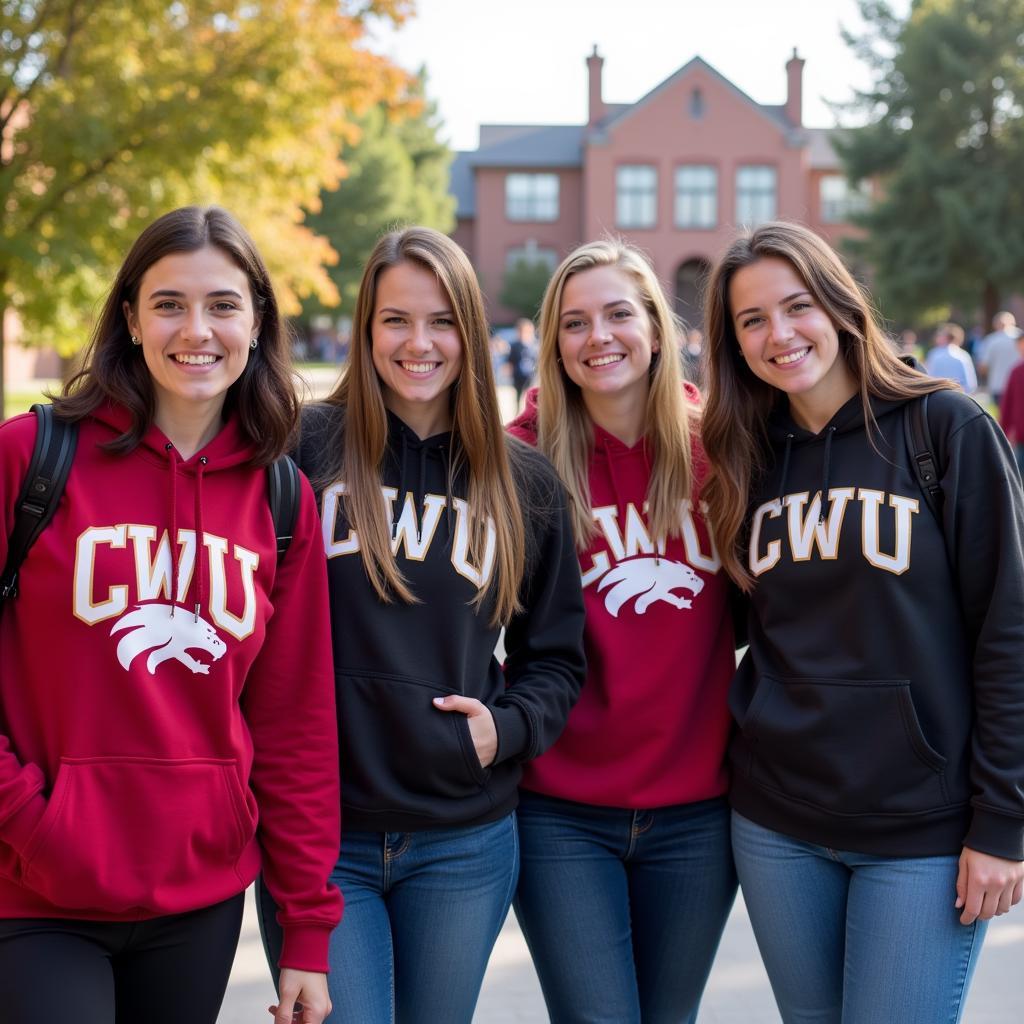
565 431
263 398
479 440
739 402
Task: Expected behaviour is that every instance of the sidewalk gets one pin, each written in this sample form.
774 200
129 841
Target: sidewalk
737 991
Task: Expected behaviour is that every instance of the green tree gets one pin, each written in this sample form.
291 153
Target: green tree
944 138
112 113
396 173
523 286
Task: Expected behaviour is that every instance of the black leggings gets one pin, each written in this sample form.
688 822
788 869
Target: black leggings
167 970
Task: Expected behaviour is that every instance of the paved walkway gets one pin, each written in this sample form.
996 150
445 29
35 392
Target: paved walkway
737 992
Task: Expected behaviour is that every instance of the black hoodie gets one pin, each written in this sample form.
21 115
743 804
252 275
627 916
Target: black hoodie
406 765
881 703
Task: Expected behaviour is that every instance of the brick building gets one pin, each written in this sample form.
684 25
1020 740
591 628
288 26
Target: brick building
676 173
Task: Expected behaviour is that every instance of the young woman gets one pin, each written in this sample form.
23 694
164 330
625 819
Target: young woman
439 530
626 876
159 662
878 773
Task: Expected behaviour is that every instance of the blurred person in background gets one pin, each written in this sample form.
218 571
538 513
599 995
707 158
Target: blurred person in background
948 359
998 354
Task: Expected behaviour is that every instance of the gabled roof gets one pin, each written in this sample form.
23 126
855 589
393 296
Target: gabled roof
552 145
820 154
461 185
774 113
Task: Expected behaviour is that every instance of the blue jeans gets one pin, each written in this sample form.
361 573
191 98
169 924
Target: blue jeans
852 938
623 910
422 913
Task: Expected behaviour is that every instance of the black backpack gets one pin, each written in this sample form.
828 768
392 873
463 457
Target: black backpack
919 443
47 474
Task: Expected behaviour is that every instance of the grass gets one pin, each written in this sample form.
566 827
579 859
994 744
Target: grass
22 398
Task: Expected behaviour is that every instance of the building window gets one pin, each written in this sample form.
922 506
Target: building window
531 253
840 200
636 196
756 190
696 104
696 197
531 197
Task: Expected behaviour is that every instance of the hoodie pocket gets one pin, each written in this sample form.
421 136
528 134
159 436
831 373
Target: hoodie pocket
122 833
398 751
849 746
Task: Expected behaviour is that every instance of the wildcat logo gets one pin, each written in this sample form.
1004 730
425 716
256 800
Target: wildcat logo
166 636
649 580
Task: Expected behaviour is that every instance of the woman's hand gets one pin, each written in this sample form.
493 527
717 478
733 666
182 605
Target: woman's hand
987 885
480 721
304 998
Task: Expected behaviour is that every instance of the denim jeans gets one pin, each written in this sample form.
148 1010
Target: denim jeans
422 913
852 938
622 909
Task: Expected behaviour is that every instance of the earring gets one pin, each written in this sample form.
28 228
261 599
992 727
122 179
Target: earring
135 341
254 343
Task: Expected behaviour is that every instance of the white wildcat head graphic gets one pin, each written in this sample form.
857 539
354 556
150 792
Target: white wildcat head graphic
649 580
166 636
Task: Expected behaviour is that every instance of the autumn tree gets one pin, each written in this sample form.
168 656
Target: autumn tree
944 138
112 113
396 174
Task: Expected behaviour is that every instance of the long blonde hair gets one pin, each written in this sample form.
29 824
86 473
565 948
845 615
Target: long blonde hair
739 402
479 441
565 431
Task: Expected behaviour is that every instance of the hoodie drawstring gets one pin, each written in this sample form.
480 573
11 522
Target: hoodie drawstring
201 565
785 465
172 458
826 461
201 558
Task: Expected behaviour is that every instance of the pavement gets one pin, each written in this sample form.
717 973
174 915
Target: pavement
737 991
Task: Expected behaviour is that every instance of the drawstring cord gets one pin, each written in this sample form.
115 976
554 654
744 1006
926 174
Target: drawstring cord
201 558
172 458
826 462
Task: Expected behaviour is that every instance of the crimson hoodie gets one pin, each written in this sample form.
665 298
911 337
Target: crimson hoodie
652 721
144 744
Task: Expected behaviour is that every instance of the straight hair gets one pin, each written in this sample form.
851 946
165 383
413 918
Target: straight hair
263 398
565 430
479 440
739 402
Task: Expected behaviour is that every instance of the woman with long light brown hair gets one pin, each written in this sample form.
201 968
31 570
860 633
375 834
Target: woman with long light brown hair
439 530
627 878
877 774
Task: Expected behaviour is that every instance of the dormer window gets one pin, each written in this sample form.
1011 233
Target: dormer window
696 104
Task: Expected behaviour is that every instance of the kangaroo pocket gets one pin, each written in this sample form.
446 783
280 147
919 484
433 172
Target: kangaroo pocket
398 751
850 746
123 833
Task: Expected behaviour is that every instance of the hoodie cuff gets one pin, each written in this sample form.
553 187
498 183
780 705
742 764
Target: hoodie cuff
18 828
996 834
513 731
305 947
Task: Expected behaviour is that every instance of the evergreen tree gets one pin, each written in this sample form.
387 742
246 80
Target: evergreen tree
944 139
523 286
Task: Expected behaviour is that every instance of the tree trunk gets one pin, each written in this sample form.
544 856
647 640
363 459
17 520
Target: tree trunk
990 305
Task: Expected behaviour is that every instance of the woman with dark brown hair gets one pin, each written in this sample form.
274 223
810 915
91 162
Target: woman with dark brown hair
160 658
877 773
439 530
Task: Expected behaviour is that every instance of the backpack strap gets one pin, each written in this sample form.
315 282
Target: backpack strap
919 444
283 493
40 492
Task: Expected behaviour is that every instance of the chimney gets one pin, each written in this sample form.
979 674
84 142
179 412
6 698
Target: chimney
597 108
795 89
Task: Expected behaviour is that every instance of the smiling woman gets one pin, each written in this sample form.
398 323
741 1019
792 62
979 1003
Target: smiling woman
164 711
878 816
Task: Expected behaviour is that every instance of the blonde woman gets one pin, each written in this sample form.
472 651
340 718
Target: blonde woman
626 876
439 530
878 774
